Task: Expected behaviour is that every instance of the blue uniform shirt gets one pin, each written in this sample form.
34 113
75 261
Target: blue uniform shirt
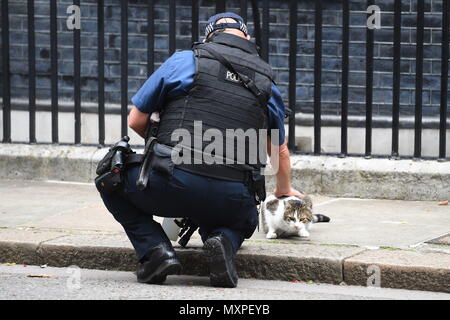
175 77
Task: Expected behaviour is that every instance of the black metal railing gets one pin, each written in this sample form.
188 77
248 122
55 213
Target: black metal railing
261 31
444 77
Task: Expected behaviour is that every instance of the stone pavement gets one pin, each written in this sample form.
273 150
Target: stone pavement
367 241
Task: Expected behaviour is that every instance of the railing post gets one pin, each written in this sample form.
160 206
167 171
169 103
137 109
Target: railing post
419 80
77 79
256 23
317 77
124 66
292 71
172 26
243 9
194 20
265 31
6 97
101 71
54 68
444 80
369 87
220 6
396 78
150 37
31 72
345 73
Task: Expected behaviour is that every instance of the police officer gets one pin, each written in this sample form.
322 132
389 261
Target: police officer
195 85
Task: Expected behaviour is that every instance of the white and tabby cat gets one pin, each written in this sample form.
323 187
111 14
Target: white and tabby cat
288 216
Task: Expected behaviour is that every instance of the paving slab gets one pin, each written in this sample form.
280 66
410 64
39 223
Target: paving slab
91 240
94 217
29 201
28 235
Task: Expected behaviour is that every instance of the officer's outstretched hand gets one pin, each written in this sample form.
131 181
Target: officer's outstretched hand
288 193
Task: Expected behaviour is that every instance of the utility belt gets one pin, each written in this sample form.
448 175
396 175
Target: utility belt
158 157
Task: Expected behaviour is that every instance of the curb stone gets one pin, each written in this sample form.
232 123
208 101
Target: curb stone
399 269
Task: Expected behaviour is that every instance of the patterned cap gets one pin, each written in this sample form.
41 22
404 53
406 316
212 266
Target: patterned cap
212 26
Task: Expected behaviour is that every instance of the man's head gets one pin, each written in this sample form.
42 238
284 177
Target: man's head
227 22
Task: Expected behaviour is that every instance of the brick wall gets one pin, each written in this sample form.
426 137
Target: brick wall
279 47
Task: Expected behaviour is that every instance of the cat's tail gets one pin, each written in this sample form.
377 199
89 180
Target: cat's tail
320 218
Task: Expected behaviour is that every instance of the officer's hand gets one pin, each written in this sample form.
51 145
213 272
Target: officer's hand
288 193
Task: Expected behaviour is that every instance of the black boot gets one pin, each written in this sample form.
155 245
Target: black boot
159 262
222 268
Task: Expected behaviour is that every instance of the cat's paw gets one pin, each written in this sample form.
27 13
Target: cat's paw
303 233
271 235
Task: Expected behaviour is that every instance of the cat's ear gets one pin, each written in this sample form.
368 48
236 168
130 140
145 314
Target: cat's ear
307 202
272 205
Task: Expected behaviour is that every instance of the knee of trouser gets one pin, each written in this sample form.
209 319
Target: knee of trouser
250 225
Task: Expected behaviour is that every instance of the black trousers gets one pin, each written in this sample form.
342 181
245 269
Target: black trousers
214 205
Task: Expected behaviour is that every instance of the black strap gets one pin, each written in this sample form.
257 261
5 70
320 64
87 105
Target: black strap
246 81
152 128
220 172
134 158
145 167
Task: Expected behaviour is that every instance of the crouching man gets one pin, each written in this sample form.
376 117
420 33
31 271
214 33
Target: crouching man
223 84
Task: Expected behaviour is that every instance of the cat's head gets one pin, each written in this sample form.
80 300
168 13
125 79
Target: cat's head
298 211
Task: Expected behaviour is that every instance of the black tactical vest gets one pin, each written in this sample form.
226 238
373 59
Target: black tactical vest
221 102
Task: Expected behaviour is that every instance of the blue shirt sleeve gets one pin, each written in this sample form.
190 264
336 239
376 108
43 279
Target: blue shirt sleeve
173 78
276 114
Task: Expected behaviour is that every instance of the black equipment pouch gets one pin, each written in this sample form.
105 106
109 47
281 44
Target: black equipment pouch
115 158
108 182
257 184
162 159
111 167
157 157
104 165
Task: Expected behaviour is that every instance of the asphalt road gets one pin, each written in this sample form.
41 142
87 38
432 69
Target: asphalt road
34 282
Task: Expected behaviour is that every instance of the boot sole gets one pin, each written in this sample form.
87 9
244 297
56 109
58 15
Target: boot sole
168 267
219 271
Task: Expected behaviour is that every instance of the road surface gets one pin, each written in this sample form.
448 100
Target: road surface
35 282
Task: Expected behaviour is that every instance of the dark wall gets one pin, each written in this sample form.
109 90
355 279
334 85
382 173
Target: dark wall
279 46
